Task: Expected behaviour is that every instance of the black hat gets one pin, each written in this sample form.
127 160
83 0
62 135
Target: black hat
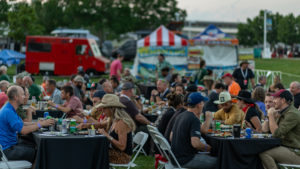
245 96
127 86
244 62
284 94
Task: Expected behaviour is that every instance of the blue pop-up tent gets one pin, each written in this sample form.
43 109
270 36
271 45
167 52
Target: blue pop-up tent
10 57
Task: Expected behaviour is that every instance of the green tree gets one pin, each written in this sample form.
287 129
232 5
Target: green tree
287 30
23 21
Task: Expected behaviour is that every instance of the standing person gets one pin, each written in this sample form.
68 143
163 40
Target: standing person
162 63
295 90
201 72
11 125
258 95
243 74
3 73
119 129
286 128
55 94
72 107
186 135
233 87
252 113
34 89
116 66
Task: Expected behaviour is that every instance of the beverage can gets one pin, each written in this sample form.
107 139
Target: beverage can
218 126
46 114
73 126
248 132
64 128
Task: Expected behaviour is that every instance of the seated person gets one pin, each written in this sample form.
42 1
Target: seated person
258 95
286 128
97 114
72 107
55 94
175 102
229 113
26 114
11 125
269 104
119 131
214 96
159 96
179 89
186 135
252 113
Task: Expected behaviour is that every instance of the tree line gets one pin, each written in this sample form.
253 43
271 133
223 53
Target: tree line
285 28
105 18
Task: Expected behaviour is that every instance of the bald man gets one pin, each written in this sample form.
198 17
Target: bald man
11 125
34 90
295 90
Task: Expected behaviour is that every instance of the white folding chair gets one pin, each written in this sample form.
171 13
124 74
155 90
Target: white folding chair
137 139
140 143
166 148
289 166
5 164
153 131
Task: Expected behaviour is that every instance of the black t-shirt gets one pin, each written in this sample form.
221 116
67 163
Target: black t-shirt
237 74
131 108
210 105
187 125
164 120
297 100
252 112
171 123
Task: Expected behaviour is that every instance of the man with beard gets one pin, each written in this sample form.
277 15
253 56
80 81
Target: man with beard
286 128
77 86
72 107
229 113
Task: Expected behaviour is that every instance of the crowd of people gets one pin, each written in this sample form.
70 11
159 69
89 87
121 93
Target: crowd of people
115 108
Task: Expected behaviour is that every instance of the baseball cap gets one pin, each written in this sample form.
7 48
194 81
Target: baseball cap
79 79
227 75
196 98
127 86
223 98
99 93
284 94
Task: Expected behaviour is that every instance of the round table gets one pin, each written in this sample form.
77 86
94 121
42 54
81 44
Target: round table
71 152
240 153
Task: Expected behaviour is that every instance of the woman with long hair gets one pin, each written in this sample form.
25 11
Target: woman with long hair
118 130
258 95
252 113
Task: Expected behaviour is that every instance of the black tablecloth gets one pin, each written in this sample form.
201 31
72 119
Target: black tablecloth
151 117
52 113
240 153
71 152
146 90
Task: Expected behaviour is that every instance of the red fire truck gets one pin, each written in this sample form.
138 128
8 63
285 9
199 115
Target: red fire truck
62 55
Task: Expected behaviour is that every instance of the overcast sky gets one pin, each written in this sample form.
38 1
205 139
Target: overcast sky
235 10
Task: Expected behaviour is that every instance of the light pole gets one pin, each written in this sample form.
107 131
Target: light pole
266 53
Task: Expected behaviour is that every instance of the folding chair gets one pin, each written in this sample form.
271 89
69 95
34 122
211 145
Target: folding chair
166 148
289 166
136 139
140 143
5 164
153 131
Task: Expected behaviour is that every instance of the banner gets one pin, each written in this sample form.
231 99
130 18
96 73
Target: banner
170 51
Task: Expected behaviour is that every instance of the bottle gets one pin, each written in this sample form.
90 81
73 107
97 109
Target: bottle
73 126
64 129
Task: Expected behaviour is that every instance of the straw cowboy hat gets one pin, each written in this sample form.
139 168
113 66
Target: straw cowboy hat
110 100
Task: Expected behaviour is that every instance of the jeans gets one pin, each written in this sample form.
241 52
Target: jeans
202 161
20 152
